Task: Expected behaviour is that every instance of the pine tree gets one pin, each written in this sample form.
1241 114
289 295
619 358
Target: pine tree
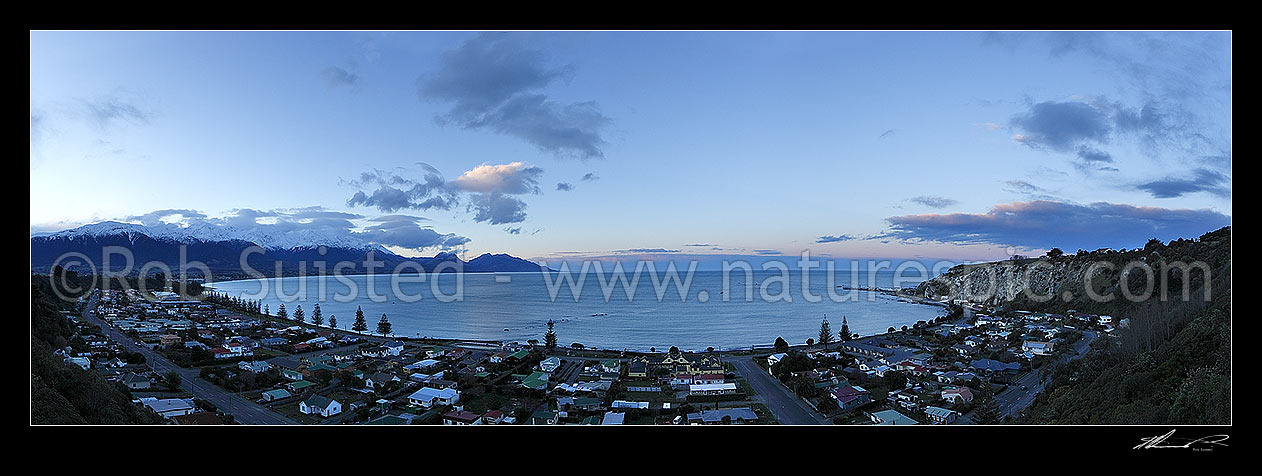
266 311
360 325
383 326
316 318
298 315
844 333
782 346
282 313
825 333
333 321
550 338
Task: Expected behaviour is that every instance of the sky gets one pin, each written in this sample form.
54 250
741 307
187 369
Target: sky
550 145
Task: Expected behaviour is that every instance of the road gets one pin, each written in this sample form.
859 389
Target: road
1012 400
243 410
787 407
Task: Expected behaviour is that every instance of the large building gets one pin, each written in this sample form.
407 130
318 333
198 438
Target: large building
676 364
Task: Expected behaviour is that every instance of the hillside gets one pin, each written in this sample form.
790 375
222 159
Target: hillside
1172 365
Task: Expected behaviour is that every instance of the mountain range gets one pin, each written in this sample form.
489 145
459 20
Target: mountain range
221 249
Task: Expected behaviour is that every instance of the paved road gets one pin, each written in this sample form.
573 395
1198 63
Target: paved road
787 407
243 410
1012 400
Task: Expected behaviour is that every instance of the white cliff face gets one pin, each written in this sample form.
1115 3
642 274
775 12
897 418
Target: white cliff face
998 282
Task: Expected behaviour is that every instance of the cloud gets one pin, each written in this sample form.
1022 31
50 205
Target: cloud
700 244
302 227
767 252
405 232
336 77
1046 224
833 238
515 179
496 208
1090 154
111 109
492 81
564 186
513 231
486 191
887 133
1178 86
1202 180
934 201
1062 126
590 176
1021 186
646 250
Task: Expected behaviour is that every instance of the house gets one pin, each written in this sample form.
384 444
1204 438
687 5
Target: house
379 380
272 395
492 417
958 395
291 374
851 397
991 366
255 366
735 416
550 364
536 380
320 405
394 348
168 407
136 382
774 359
941 416
461 417
543 417
428 397
891 417
1038 348
612 418
298 385
81 362
712 389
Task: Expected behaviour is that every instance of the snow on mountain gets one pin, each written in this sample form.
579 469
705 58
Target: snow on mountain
272 239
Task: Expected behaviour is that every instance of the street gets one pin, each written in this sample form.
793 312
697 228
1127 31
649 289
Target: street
243 410
1012 400
787 407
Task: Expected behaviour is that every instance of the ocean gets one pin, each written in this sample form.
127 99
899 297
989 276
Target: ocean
517 306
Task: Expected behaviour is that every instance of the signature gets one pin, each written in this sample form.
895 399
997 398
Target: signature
1165 441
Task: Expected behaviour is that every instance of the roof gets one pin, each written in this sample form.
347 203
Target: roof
462 415
319 401
612 418
426 394
938 412
891 417
278 393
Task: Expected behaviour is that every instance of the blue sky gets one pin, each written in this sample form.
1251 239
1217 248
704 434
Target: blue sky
956 145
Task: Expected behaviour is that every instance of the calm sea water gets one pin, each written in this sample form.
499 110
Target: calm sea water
517 306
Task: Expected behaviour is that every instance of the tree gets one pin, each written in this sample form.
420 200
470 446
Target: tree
895 380
533 343
781 345
316 318
266 310
844 333
360 325
1055 253
282 313
987 412
383 325
172 380
825 333
810 341
298 315
333 321
550 338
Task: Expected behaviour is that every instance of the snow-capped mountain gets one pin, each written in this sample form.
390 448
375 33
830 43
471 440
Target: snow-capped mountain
221 248
208 232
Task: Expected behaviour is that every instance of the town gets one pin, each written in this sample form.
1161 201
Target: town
217 361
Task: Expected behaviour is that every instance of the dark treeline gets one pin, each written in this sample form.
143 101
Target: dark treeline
1170 365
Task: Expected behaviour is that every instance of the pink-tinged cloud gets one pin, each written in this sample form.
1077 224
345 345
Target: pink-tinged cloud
1046 224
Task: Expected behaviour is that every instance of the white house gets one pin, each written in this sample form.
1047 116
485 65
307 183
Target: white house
940 415
550 364
320 405
428 397
1037 348
168 407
